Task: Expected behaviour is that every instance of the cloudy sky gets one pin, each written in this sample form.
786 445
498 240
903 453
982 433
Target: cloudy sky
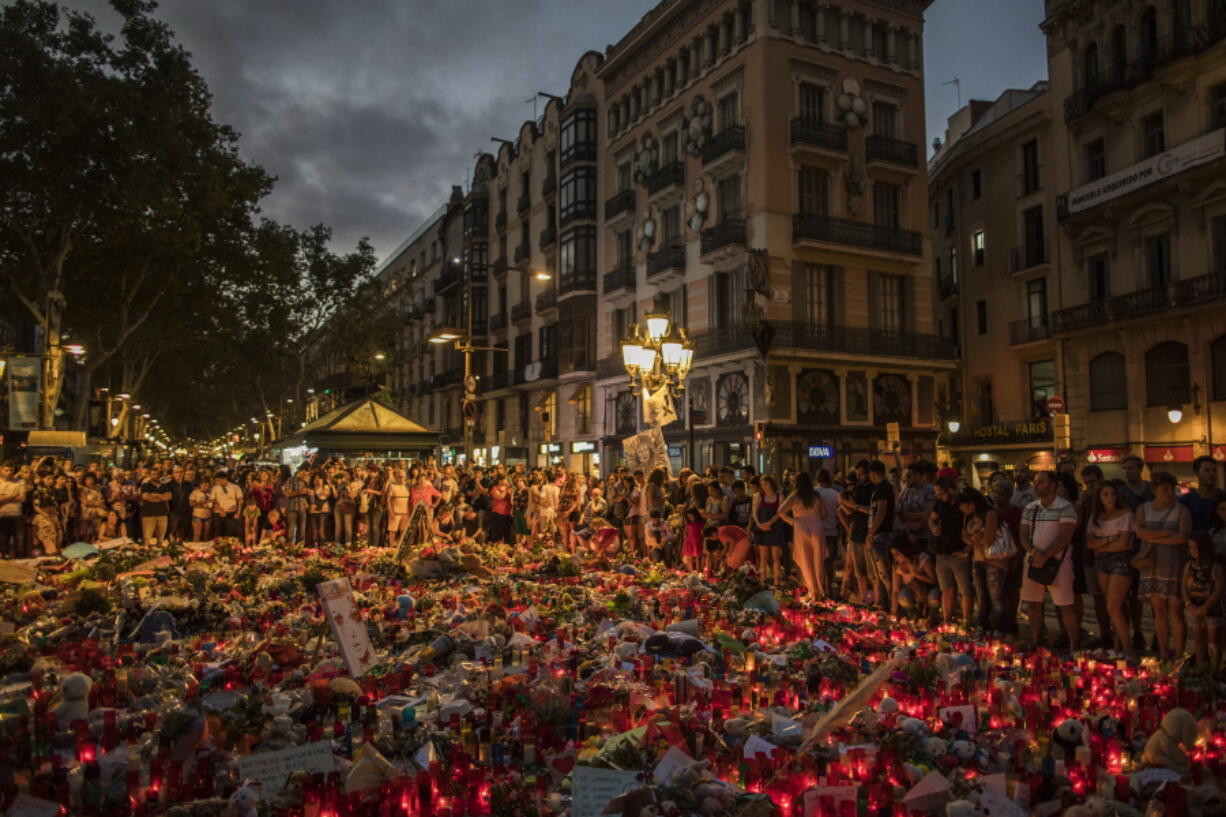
369 110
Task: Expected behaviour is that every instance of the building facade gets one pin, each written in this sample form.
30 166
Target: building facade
1115 299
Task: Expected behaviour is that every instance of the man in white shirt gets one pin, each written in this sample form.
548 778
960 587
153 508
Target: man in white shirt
12 495
227 505
1047 529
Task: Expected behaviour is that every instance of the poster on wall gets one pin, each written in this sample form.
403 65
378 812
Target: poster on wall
25 383
647 451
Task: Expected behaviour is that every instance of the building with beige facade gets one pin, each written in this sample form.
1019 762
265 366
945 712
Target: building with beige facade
1123 289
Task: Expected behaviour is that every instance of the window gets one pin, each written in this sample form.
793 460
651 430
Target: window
624 248
727 293
524 413
886 205
729 111
983 405
1158 259
1036 302
880 48
890 301
1217 352
812 102
578 194
808 22
1089 66
981 316
1030 167
1042 386
1098 275
819 294
680 307
1034 242
1167 379
1153 135
953 264
953 325
1219 245
500 414
1096 160
577 259
949 210
525 186
546 344
814 187
523 349
729 192
1217 106
1147 40
668 148
625 176
577 139
977 246
936 215
670 225
885 119
976 185
1107 385
1119 51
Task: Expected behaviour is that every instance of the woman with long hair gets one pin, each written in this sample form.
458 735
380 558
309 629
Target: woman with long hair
980 526
320 508
769 532
1109 537
805 512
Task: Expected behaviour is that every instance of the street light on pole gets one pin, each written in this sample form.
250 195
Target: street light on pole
658 356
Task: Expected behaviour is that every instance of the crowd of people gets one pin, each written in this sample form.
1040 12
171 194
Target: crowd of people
913 540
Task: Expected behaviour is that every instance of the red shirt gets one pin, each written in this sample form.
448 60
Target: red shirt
500 500
263 495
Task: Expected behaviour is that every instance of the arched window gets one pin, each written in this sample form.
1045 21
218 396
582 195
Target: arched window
1119 51
1147 42
1218 353
1107 384
1089 66
1167 378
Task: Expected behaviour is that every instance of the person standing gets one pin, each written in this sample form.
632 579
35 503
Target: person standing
375 504
805 511
500 511
953 562
398 505
980 527
201 501
1200 502
881 532
830 525
46 516
297 500
178 525
1109 538
13 492
227 504
1164 523
769 531
1048 524
1024 492
1135 491
155 499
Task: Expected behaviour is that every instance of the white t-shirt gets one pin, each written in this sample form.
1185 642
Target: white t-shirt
226 498
12 494
1046 523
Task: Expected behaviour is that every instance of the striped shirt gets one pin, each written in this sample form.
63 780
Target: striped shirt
1045 522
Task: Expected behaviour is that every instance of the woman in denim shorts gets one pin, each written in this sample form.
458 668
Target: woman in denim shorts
1109 536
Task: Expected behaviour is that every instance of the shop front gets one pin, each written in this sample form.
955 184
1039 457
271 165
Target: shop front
550 455
814 449
981 450
584 457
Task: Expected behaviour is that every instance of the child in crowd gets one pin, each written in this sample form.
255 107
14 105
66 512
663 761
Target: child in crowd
691 551
914 570
251 522
276 527
714 556
1203 583
659 536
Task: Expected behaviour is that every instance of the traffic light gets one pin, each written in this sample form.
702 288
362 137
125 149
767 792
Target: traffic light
759 432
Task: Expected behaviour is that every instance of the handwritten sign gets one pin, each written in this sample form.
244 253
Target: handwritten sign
347 626
270 769
593 788
26 806
999 805
959 717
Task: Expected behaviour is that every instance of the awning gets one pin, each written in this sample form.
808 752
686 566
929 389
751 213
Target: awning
56 439
363 425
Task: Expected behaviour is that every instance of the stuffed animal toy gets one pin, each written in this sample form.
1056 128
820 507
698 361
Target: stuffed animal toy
964 751
1068 736
936 747
74 699
685 776
1178 729
244 802
913 726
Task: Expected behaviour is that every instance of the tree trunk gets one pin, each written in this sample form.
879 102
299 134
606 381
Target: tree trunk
53 358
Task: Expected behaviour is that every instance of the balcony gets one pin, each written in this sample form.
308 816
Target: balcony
828 338
578 152
547 300
585 210
1031 254
550 185
498 321
523 252
610 366
724 145
1029 330
878 148
580 281
521 312
816 133
728 233
618 204
947 286
666 265
500 221
665 176
447 278
549 237
832 230
523 204
619 285
500 265
1190 292
1174 46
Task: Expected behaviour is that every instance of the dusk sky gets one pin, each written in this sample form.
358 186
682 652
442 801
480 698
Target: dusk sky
369 110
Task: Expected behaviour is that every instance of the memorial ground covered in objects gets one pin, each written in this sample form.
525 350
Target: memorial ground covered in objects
465 679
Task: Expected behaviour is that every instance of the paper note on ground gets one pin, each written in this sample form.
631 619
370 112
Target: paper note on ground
592 788
270 769
26 806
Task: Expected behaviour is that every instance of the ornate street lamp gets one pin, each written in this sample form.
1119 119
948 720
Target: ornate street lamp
656 355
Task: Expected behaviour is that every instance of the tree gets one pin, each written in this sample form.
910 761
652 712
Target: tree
116 186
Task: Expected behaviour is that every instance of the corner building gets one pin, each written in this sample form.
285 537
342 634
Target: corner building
761 182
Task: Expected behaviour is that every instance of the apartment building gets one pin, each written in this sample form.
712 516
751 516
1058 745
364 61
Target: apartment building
1140 311
761 178
992 205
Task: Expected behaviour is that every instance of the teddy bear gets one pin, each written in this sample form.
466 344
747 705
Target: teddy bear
685 776
244 802
1069 734
936 747
74 699
1178 729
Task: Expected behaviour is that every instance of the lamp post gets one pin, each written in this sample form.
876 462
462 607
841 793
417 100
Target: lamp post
658 356
463 339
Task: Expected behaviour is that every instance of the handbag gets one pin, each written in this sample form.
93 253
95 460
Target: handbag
1003 546
1046 573
1144 557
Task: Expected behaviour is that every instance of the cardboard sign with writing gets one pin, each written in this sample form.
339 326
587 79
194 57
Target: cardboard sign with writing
348 627
593 788
960 717
270 769
26 806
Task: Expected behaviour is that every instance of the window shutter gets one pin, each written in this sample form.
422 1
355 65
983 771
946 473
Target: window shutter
908 303
713 316
874 298
838 306
800 292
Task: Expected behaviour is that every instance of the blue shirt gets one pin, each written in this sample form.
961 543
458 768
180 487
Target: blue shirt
1199 508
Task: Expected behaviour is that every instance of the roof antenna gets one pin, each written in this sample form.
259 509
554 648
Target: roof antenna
957 83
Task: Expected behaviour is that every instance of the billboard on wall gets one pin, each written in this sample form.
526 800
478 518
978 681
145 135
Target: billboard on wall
25 384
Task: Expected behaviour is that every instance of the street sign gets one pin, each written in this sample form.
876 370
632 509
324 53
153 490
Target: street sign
470 412
1055 405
